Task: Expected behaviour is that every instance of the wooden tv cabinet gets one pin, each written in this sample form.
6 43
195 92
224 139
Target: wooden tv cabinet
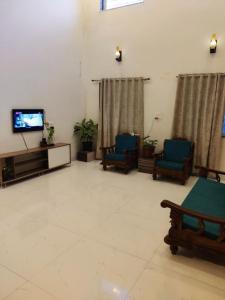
18 165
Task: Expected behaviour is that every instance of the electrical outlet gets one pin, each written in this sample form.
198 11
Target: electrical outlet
158 116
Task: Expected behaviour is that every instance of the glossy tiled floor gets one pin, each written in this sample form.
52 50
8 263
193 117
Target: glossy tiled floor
83 234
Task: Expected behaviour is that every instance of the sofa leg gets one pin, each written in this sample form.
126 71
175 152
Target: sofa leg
154 175
104 167
126 170
173 249
183 181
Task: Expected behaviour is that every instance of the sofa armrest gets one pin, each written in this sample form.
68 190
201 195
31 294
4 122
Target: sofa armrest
192 213
204 172
178 211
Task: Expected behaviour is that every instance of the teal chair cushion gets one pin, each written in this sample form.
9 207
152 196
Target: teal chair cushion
115 156
171 165
125 142
206 197
177 150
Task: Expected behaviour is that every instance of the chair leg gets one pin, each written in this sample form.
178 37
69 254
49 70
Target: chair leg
173 249
126 170
104 166
183 181
154 175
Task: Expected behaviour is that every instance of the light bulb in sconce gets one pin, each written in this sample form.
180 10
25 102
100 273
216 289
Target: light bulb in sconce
118 54
213 44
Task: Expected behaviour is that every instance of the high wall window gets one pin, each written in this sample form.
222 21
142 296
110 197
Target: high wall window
109 4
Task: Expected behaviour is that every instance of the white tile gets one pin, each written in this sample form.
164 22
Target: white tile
157 284
75 220
9 281
28 247
29 292
132 234
146 203
82 233
90 270
194 267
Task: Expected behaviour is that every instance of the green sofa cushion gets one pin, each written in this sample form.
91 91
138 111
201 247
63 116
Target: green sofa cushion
115 156
206 197
177 150
125 142
171 165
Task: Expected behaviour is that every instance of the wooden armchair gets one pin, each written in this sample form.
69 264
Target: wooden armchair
123 155
175 160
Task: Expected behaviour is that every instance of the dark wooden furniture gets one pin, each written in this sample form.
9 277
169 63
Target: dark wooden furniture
146 165
175 160
122 155
199 223
18 165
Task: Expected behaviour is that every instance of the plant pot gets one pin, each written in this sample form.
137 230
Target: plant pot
148 151
87 146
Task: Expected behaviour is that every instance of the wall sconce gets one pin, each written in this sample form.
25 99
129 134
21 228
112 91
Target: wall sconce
213 44
118 54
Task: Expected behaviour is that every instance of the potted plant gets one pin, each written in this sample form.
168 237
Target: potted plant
51 131
148 147
86 130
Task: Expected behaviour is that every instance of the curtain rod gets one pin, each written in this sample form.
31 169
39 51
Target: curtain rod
98 80
199 74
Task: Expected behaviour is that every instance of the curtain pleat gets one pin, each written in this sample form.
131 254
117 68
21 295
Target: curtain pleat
197 115
121 109
217 124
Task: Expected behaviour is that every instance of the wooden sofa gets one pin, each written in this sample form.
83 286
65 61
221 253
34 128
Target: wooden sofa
199 222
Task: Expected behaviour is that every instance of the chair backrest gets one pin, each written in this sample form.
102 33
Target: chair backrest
177 150
126 142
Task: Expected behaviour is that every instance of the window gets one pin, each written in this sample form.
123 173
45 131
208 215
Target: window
109 4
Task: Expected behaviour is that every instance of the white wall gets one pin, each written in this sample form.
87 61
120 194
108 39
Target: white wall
40 53
42 44
160 39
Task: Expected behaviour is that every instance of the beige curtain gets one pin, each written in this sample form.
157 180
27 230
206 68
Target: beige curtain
217 124
198 115
121 109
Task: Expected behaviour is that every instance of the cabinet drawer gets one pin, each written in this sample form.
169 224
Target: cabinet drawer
59 156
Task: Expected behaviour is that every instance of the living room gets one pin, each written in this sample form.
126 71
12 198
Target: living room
81 232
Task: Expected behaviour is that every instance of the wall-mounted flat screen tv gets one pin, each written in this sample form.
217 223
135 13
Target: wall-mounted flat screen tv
25 120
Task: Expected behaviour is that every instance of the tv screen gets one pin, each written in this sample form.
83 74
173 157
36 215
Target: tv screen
25 120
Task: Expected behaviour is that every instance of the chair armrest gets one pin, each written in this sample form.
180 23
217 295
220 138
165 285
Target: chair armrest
131 154
107 148
188 165
158 155
130 151
187 160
